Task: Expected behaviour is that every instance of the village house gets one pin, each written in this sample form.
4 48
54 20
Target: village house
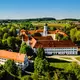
21 60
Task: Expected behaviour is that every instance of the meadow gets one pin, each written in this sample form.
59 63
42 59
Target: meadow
51 24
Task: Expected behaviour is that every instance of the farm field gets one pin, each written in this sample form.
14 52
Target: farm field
51 24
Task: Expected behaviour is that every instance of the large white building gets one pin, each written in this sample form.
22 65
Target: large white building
21 60
49 42
57 47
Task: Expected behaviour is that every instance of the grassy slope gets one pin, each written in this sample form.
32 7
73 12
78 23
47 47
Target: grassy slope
57 63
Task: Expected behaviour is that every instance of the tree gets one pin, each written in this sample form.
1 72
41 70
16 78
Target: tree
24 49
52 28
41 53
11 42
40 66
26 78
1 33
5 36
65 38
13 32
11 67
0 43
4 43
72 34
69 77
58 75
2 72
36 76
76 69
17 43
59 36
4 29
78 35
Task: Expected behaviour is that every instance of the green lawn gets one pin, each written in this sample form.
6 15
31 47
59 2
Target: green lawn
60 65
57 63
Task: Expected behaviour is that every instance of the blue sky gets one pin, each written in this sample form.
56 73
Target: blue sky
22 9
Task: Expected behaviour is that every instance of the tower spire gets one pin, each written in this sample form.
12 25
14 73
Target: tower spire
45 30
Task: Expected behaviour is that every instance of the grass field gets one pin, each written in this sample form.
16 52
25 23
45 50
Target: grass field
41 24
60 65
57 63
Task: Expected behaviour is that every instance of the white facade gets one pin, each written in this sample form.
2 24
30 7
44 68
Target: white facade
63 50
22 65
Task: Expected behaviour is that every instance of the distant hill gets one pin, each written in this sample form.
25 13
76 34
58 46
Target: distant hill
36 19
31 19
71 19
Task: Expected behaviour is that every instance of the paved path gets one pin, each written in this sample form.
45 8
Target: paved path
72 58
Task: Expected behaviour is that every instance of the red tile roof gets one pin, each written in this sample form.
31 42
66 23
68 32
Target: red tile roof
12 55
44 38
48 44
57 31
36 31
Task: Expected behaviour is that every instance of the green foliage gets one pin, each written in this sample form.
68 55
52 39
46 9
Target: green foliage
5 30
74 68
59 36
11 67
72 34
2 72
0 43
13 32
78 35
1 33
65 38
40 53
18 42
4 43
11 42
36 76
52 28
26 78
40 65
25 49
58 75
5 36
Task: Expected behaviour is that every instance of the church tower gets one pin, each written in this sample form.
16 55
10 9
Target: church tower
45 30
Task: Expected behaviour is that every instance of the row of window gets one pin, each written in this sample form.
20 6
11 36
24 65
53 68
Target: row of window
3 60
62 53
60 50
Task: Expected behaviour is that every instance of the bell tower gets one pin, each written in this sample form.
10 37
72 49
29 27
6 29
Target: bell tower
45 30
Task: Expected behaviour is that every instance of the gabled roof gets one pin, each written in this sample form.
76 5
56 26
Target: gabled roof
39 31
43 38
57 31
51 44
12 55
